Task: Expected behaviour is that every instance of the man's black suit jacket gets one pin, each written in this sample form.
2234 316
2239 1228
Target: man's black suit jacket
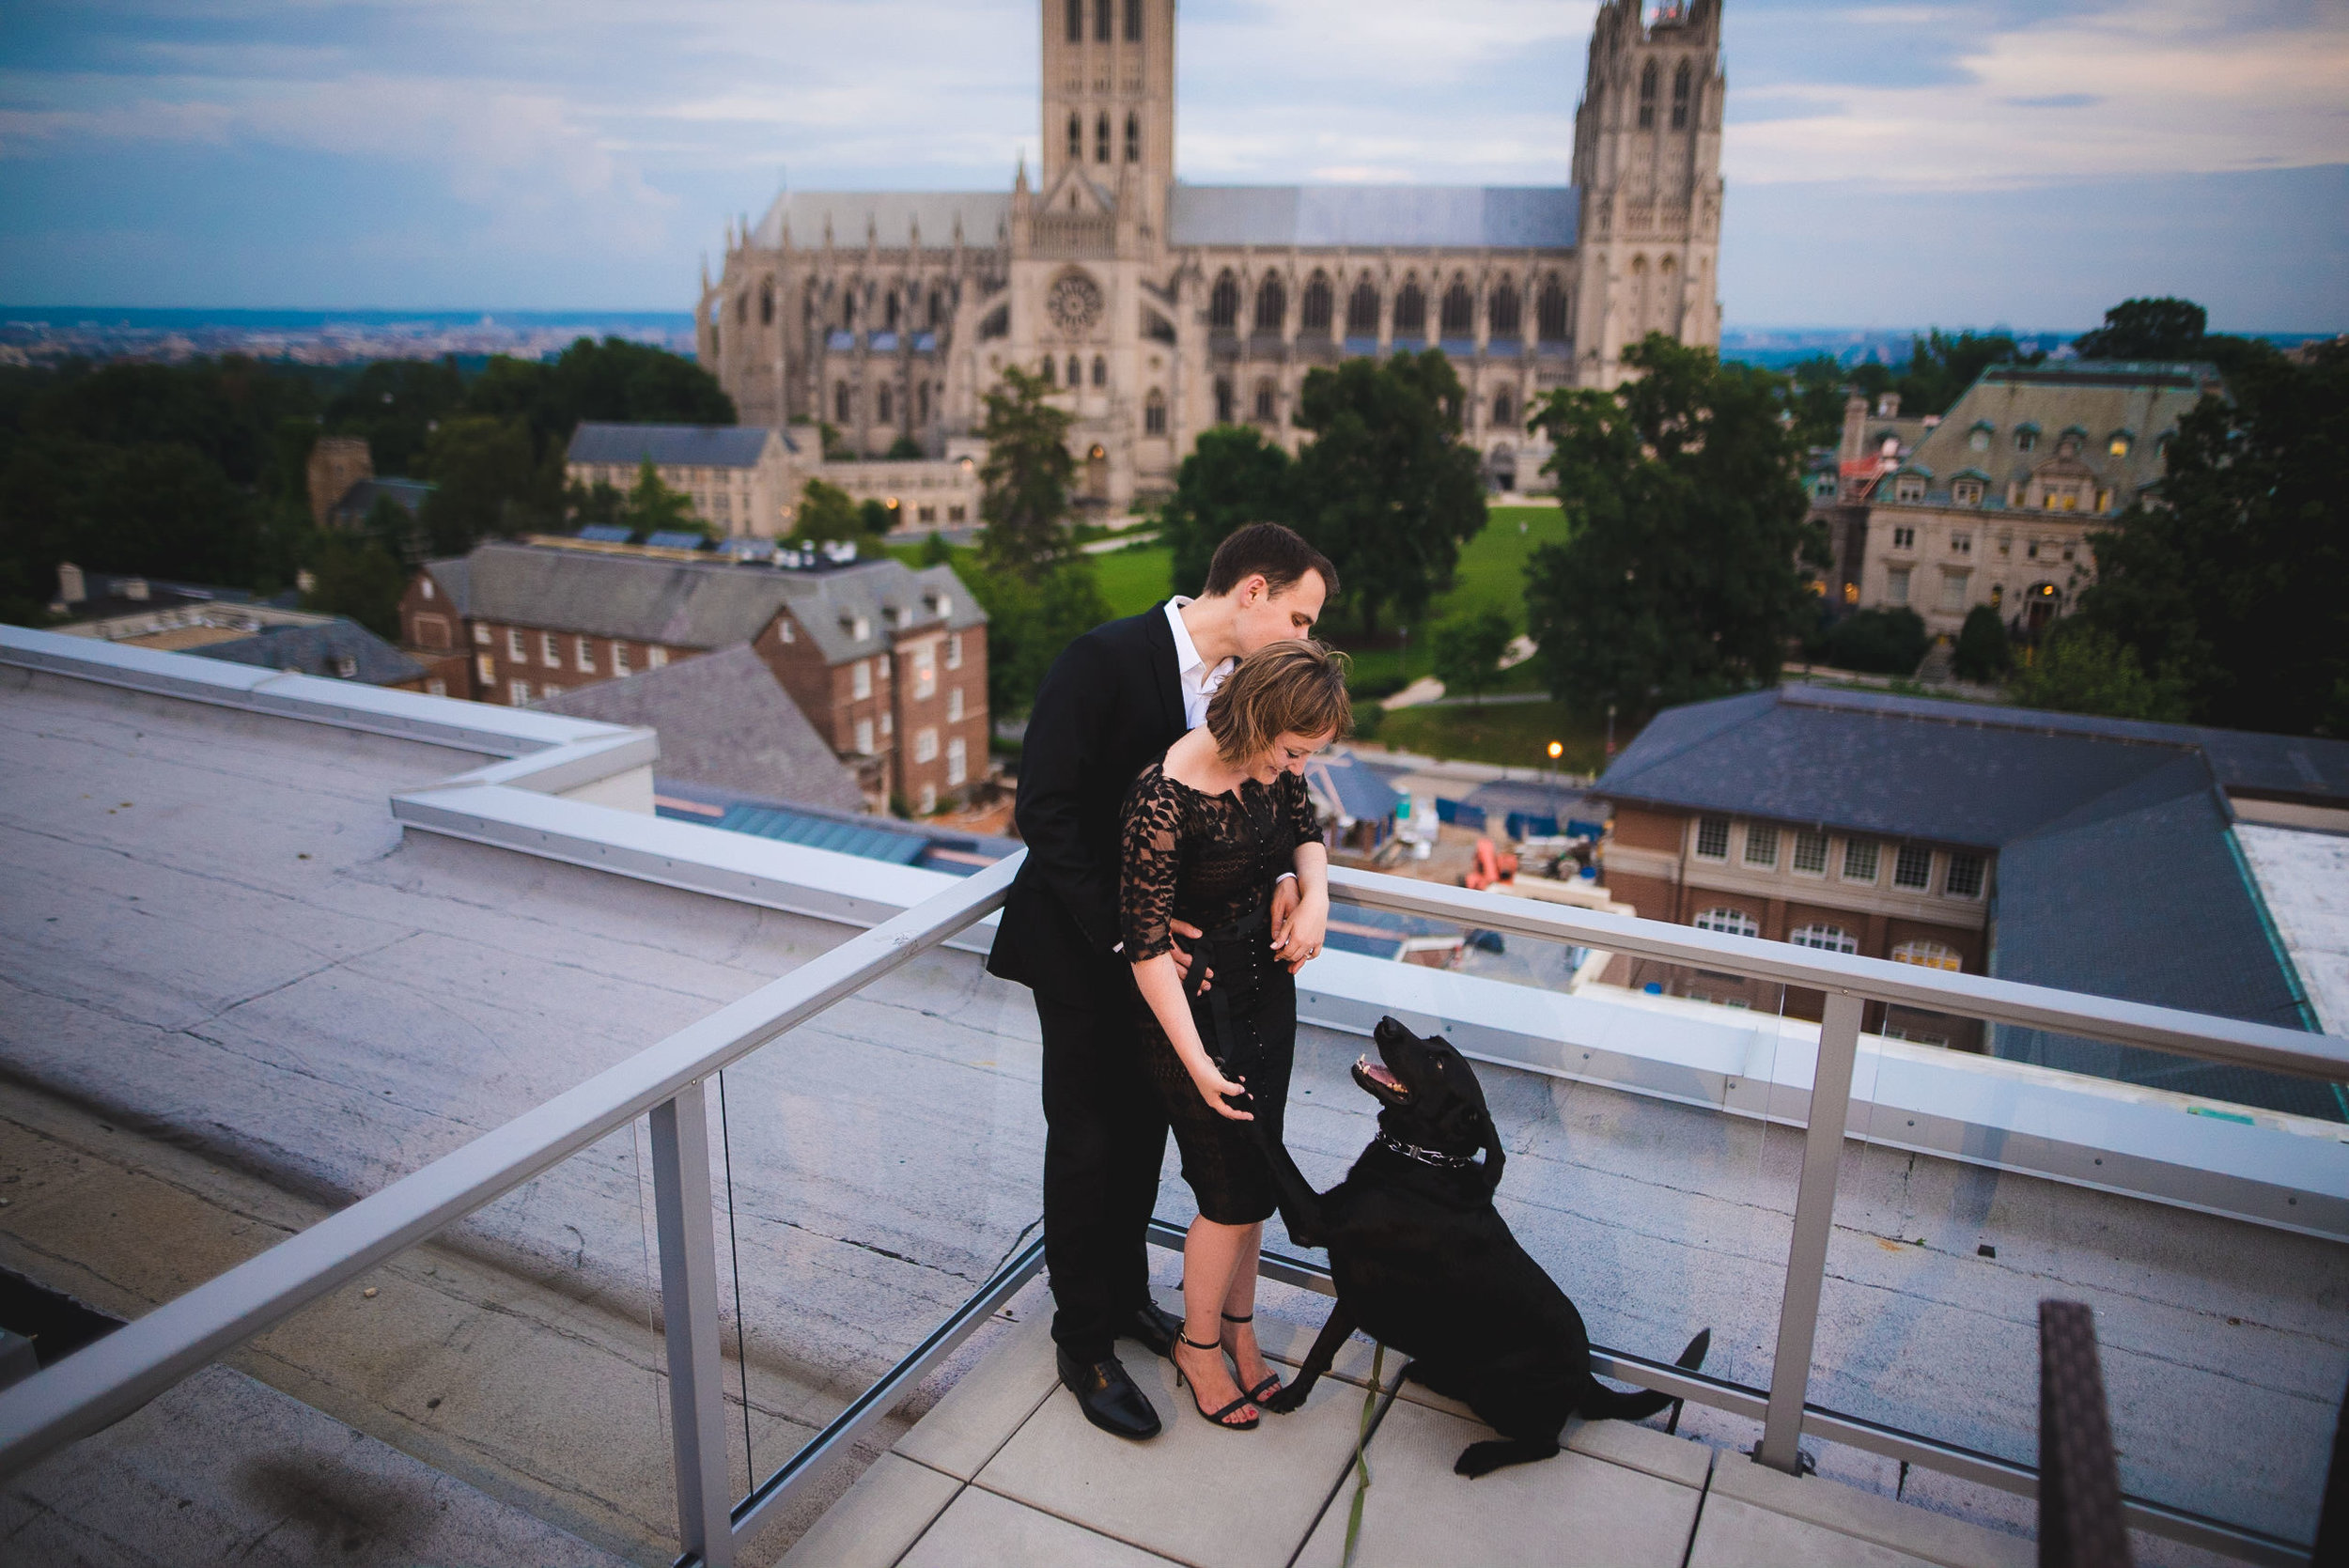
1110 705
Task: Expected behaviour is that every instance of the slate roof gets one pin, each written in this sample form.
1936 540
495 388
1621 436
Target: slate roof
693 604
358 501
674 445
725 722
2118 874
1470 216
1353 789
892 216
318 650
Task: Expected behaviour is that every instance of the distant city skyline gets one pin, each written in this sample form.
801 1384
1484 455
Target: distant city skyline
1888 165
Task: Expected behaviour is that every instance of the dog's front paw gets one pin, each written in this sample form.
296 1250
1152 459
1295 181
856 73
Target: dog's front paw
1290 1399
1481 1459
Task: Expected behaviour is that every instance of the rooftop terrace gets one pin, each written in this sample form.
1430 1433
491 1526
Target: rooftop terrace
327 1026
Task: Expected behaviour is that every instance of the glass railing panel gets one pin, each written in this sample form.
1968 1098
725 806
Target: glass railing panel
872 1171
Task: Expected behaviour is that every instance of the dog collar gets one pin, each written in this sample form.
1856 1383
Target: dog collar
1426 1156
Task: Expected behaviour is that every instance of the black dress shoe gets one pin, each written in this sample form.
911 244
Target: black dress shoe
1108 1396
1155 1327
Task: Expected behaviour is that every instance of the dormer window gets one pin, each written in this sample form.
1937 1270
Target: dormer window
1980 439
2117 444
1967 492
860 628
1908 487
2025 437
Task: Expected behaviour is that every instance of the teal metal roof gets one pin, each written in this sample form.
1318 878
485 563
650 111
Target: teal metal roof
824 832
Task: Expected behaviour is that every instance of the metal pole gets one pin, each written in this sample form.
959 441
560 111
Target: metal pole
689 1310
1814 1217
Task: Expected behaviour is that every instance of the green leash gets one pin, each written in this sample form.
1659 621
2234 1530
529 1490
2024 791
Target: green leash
1362 1460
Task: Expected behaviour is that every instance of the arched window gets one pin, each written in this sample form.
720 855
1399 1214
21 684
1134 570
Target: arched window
766 301
1223 400
1272 303
1410 310
1075 133
1100 371
1735 922
937 307
1933 955
1314 313
1076 21
889 312
840 404
1361 310
1133 21
1154 413
1223 303
884 405
1076 373
1504 406
1101 132
1680 97
921 403
848 308
1133 137
1505 309
1647 96
743 306
1101 20
1834 939
1549 313
1459 310
1267 402
1052 368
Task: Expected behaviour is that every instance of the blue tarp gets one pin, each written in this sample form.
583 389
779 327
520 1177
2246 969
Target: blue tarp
1522 825
1460 813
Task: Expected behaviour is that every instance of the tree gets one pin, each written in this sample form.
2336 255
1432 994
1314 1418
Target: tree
2232 579
2146 329
1983 651
825 513
1468 649
1941 365
936 551
905 447
1878 642
875 517
1024 482
1234 477
1683 575
355 574
1029 622
653 507
395 405
834 444
1387 491
490 483
2080 668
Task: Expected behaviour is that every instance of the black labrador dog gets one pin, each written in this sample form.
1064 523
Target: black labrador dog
1425 1263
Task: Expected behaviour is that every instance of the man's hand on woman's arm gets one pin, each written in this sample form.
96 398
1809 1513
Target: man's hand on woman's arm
1297 937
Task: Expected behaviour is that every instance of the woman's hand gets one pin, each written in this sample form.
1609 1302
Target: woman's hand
1212 1086
1301 941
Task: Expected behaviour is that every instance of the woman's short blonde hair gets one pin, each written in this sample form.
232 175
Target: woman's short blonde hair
1294 688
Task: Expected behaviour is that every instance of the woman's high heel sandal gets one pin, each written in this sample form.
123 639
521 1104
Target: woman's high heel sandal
1271 1384
1214 1417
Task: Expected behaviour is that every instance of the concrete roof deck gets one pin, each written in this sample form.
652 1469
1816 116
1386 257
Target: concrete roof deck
216 933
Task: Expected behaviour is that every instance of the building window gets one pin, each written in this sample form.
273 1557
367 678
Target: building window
889 727
1133 21
1361 310
1762 845
1267 402
1964 879
1504 407
1967 492
1076 136
436 688
1502 311
1912 867
954 514
1712 838
1225 412
2026 439
1100 21
784 629
1100 370
885 405
1834 939
1051 370
1549 313
656 658
1457 317
1904 538
1933 955
1133 137
1101 132
1680 97
1810 852
1859 860
1076 21
1896 585
481 634
860 679
1223 304
1154 413
1272 303
1908 487
516 650
953 650
957 762
2118 446
1734 922
584 652
840 402
485 670
1314 313
953 705
924 672
1076 374
925 745
929 798
517 692
1961 544
1410 311
619 659
1647 96
865 738
1954 589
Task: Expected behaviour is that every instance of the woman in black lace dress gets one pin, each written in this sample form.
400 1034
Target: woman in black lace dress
1208 831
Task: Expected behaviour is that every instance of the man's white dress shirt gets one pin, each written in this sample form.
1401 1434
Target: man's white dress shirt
1192 671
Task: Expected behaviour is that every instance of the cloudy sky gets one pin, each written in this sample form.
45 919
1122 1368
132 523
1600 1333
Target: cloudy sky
1971 162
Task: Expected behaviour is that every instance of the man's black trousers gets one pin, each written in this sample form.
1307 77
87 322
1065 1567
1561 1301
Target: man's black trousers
1105 1136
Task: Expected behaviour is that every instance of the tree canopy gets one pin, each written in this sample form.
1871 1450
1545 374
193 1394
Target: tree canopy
1941 365
1469 648
1024 482
1684 574
1233 477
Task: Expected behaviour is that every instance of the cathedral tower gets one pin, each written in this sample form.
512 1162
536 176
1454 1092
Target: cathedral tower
1647 160
1109 99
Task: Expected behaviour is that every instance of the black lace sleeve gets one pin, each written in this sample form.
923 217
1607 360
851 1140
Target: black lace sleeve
1298 804
1150 841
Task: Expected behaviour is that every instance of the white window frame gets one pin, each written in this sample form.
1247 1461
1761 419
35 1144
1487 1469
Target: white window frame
656 657
1863 850
860 679
1824 935
517 692
1906 856
1979 866
1733 923
549 651
516 650
1761 846
1705 826
1896 585
953 650
583 656
485 670
1807 839
865 738
957 761
925 744
953 705
481 633
929 798
619 659
1930 954
925 672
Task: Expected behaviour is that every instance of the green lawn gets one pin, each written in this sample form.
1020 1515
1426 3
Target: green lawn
1515 734
1134 579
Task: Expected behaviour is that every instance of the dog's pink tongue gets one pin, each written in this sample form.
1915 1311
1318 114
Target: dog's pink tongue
1383 1078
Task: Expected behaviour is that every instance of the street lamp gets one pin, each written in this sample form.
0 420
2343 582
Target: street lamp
1557 749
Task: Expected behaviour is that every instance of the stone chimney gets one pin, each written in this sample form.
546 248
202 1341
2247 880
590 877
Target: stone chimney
1855 427
72 587
337 463
1888 405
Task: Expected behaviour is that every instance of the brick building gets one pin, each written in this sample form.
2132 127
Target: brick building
887 662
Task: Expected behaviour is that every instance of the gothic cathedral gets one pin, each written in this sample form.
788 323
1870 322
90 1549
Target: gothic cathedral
1160 308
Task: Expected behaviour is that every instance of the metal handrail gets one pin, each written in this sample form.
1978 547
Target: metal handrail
115 1376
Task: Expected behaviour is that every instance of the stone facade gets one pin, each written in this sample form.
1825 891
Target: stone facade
1161 308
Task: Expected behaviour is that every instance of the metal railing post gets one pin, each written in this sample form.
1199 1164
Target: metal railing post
689 1310
1815 1217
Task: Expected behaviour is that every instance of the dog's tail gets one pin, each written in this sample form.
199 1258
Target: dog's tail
1603 1404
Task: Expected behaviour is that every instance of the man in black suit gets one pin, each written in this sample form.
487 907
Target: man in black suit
1114 700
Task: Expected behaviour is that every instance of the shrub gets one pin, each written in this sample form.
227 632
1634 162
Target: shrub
1878 642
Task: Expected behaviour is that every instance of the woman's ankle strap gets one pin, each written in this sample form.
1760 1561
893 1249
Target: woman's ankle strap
1211 1344
1229 1318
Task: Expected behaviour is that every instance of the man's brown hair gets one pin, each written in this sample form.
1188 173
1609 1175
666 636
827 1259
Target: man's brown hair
1289 686
1276 552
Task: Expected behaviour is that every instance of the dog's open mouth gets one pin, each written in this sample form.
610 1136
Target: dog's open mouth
1375 1077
